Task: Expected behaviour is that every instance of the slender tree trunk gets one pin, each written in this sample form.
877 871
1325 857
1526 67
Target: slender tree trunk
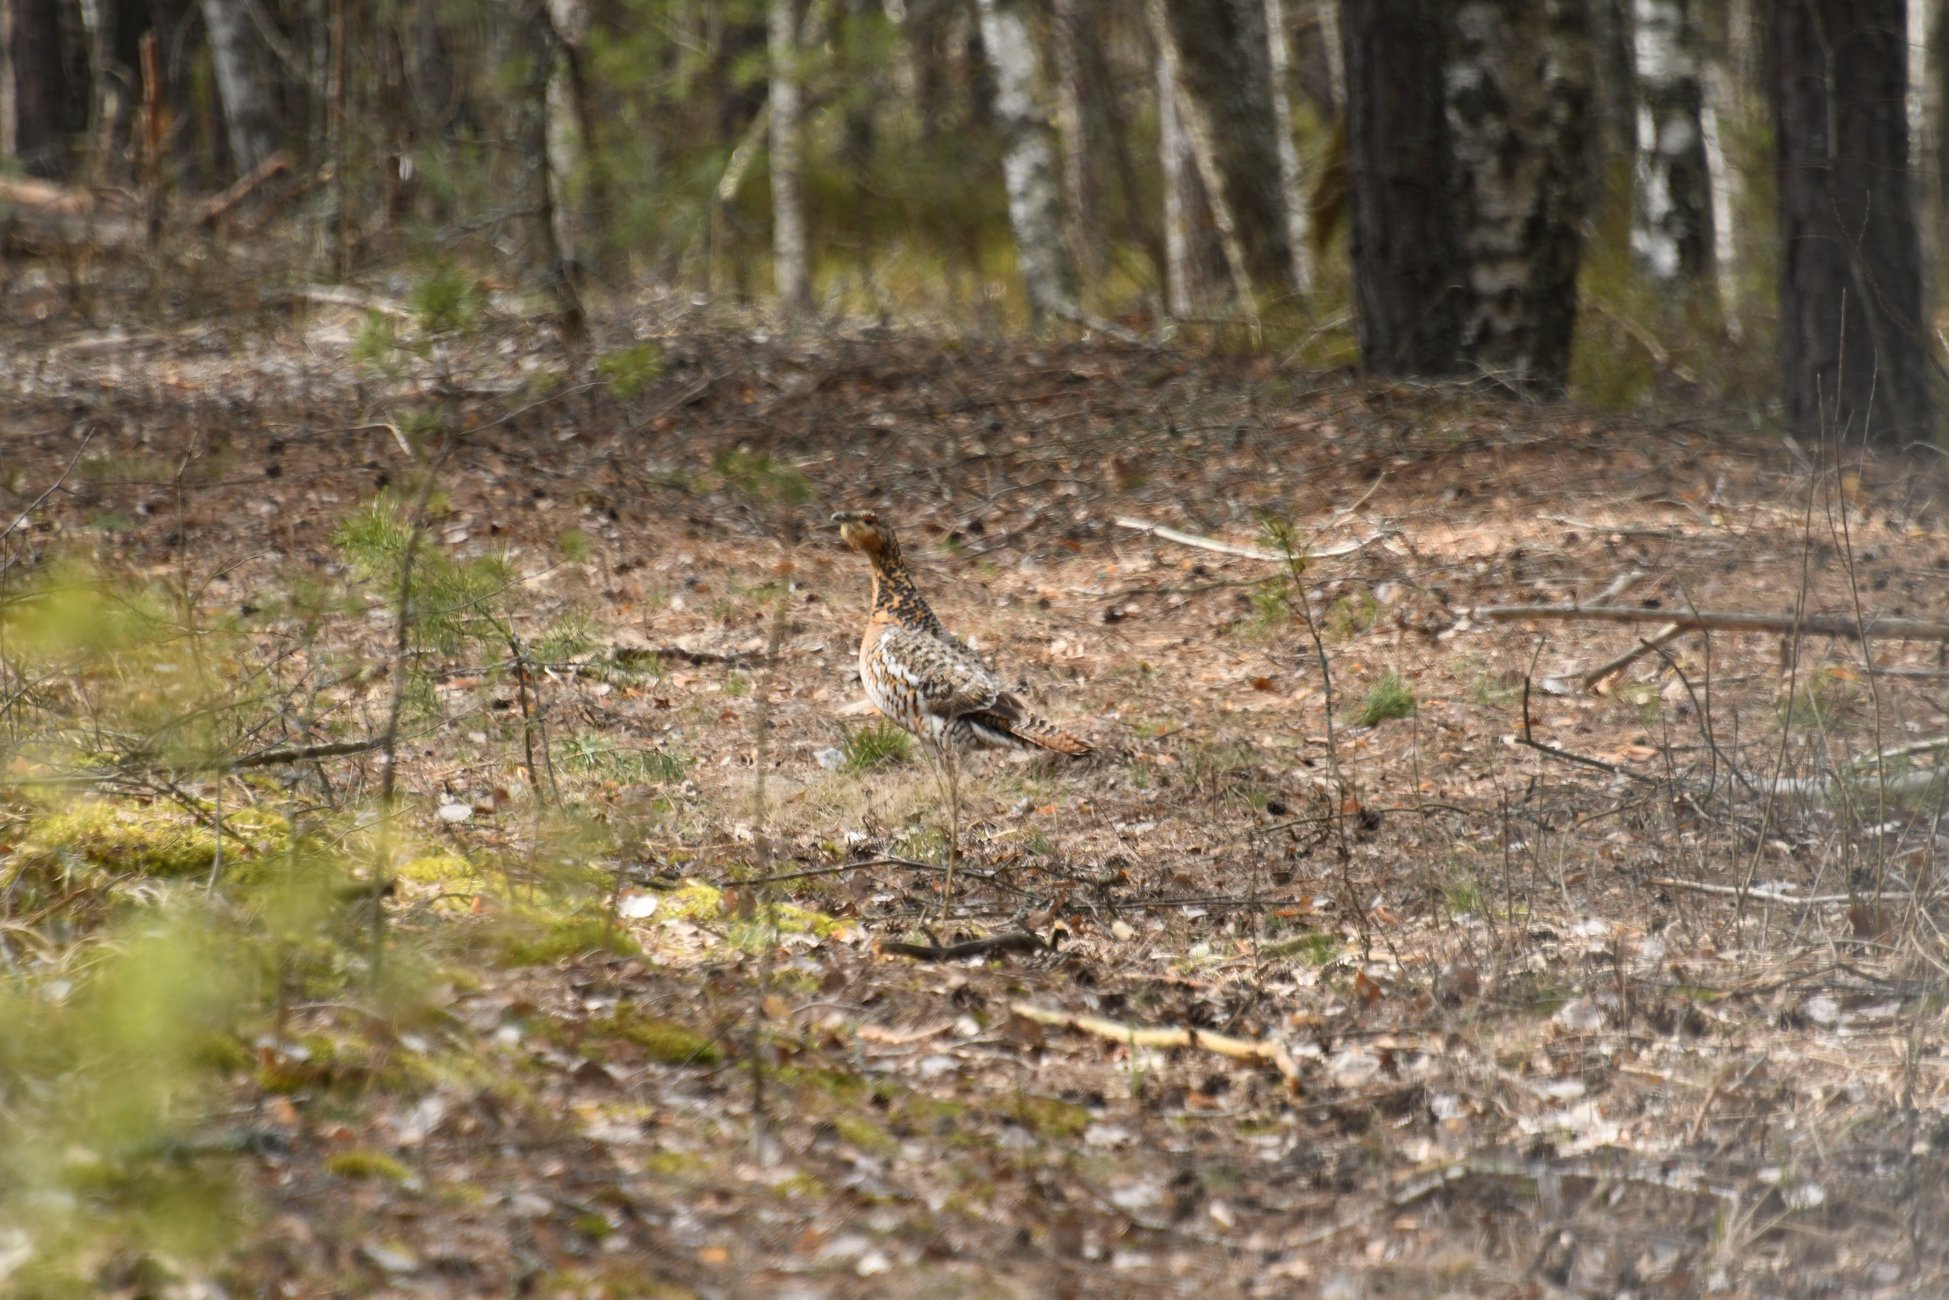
1225 64
1029 161
1854 355
43 117
1071 29
529 20
1277 44
789 269
1671 220
1170 160
243 81
1407 303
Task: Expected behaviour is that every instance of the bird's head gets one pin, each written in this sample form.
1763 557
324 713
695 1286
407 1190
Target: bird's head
863 531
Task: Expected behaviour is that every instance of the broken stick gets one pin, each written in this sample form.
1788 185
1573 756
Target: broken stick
1257 1050
1835 625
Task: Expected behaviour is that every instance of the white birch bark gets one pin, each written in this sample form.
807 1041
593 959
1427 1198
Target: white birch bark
1671 221
1028 162
1327 13
789 267
1282 126
566 147
249 116
1725 247
1170 148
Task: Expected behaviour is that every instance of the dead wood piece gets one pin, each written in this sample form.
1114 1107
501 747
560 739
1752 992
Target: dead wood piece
337 295
1605 671
1015 941
1255 1050
1247 552
224 204
1834 625
1765 895
636 656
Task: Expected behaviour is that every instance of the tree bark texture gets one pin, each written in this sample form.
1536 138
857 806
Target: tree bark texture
1226 66
1279 44
1671 217
243 82
789 262
1407 301
1854 355
1518 97
43 107
1028 161
1467 133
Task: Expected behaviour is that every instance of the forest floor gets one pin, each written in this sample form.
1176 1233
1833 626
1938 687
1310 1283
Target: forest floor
1520 987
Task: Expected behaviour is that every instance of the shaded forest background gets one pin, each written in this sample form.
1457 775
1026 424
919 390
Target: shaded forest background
1586 193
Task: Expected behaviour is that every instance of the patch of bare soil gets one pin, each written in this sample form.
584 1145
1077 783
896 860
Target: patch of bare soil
1551 989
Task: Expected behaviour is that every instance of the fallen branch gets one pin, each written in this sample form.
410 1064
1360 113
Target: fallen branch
1014 941
223 204
1245 552
1603 672
1765 895
1834 625
1260 1051
1582 760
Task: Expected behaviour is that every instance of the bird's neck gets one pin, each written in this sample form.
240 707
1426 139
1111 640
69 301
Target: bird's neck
896 597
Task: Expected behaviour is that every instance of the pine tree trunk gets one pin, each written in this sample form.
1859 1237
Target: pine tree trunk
1854 357
1518 85
43 115
1407 305
1671 219
243 82
1029 161
789 270
1071 28
1170 162
1226 66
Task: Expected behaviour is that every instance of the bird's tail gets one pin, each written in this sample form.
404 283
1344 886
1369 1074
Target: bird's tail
1008 723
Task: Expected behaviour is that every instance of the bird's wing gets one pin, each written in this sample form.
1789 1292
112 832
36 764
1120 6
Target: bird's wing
946 675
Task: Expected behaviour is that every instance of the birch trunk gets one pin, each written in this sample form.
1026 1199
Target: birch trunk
1029 161
1672 216
788 209
1282 131
249 111
1170 150
1518 91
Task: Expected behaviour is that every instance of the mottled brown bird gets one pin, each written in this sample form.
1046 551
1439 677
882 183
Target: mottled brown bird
921 675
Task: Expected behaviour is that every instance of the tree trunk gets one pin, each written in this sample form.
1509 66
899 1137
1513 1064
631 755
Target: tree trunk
1518 85
1407 304
1671 218
1280 50
1225 64
243 82
1170 161
43 105
1029 161
789 270
1467 130
1071 28
1854 357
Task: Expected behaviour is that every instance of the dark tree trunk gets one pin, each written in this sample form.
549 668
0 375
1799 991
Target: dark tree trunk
1408 304
44 107
1227 68
1853 352
1467 139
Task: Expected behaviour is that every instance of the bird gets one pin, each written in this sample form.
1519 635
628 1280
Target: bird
924 677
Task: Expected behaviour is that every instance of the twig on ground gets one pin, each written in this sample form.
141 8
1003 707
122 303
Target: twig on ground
1014 941
1646 644
1262 1051
1766 895
1834 625
1583 760
1247 552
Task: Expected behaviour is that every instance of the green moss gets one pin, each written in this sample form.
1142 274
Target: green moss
1049 1116
862 1133
439 868
594 1226
530 940
127 838
695 901
360 1164
664 1041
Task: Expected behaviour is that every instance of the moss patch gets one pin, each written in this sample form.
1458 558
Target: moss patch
127 838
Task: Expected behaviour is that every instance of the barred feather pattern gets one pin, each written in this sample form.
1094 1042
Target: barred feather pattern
926 679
